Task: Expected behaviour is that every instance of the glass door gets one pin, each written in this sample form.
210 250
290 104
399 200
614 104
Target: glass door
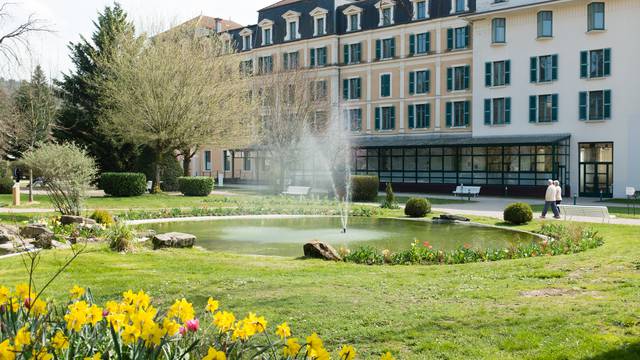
596 169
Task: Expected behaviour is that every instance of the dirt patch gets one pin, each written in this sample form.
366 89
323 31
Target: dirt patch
557 292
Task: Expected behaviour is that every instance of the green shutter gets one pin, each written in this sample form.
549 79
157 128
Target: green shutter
428 40
488 66
554 107
507 72
428 80
378 49
412 122
324 55
357 52
345 89
449 39
607 104
582 108
449 79
533 109
584 64
385 85
412 44
554 67
286 61
487 111
393 117
533 69
465 82
607 62
467 30
358 81
313 57
427 110
393 47
467 105
507 110
346 54
449 114
377 122
412 83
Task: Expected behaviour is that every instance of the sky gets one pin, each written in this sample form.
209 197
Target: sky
71 18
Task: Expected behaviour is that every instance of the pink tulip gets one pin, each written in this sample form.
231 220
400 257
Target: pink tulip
182 330
193 325
27 303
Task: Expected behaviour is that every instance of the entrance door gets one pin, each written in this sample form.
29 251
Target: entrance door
596 169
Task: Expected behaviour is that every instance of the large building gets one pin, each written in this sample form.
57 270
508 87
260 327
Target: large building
437 93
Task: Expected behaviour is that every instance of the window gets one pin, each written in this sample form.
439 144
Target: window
266 37
354 22
319 121
320 26
459 6
385 118
265 64
246 42
352 53
319 90
420 10
545 24
457 114
246 162
543 108
596 16
228 158
419 82
458 38
595 105
595 63
387 17
419 43
318 57
385 49
499 31
290 60
458 78
498 73
207 160
544 68
246 67
497 111
385 85
419 116
354 119
351 88
292 30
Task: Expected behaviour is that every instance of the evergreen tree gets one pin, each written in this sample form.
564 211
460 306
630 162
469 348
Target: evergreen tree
81 108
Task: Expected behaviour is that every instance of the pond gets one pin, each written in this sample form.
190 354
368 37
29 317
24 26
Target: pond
285 237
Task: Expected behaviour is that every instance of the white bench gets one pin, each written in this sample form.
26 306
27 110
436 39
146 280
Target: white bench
468 191
570 211
297 191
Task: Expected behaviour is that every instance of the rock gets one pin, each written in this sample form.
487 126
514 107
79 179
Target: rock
173 240
319 250
59 245
454 218
71 219
7 234
10 248
43 241
32 231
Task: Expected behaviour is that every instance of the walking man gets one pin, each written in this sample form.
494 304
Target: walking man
558 192
550 201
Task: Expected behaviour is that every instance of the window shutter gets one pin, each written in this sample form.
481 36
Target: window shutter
393 47
533 109
412 44
378 49
313 57
412 123
582 108
467 29
358 88
487 111
359 115
507 72
607 62
412 83
466 113
377 122
465 82
357 52
533 70
286 61
554 107
428 42
346 54
607 104
393 117
427 109
345 89
507 110
449 39
554 67
584 64
324 56
428 81
449 114
449 79
488 66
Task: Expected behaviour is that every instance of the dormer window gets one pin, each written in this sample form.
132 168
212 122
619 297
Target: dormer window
247 39
226 41
353 14
458 6
267 31
386 9
319 21
420 9
293 25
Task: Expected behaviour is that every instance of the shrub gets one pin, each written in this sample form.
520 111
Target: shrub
417 207
518 213
120 237
364 188
195 185
170 169
102 217
390 198
6 185
123 184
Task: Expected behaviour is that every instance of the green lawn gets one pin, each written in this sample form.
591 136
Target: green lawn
582 306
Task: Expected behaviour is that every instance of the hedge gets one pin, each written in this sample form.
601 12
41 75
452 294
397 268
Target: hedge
6 185
364 188
417 207
518 213
123 184
195 185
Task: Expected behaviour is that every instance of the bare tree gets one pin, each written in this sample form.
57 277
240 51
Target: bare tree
174 93
13 39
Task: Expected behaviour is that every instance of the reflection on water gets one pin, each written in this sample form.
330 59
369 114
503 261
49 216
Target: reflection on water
285 237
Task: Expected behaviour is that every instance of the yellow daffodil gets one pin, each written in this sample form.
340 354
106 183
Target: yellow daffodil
139 300
5 295
292 347
15 304
283 330
152 334
116 321
314 342
182 309
77 292
59 341
41 355
171 327
387 356
348 352
7 352
112 307
23 291
94 314
130 335
77 316
212 305
214 354
22 339
224 321
39 308
96 356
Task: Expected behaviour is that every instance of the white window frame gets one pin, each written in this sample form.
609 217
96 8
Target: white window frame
381 6
390 85
292 17
317 14
350 89
264 25
415 9
349 119
246 33
353 10
453 6
415 82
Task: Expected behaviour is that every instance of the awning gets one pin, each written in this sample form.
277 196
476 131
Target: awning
369 141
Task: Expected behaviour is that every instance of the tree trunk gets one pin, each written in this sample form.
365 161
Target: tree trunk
156 182
186 163
282 176
30 186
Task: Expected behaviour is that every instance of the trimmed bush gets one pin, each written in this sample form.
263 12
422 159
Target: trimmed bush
6 185
518 213
195 185
102 217
123 184
364 188
390 199
417 207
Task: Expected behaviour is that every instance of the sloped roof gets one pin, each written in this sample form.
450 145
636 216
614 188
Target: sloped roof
279 3
210 23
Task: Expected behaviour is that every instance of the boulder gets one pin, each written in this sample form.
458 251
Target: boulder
7 234
72 219
173 240
43 241
10 248
454 218
319 250
59 245
32 231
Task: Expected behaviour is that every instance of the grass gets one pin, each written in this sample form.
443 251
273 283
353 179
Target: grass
582 306
401 199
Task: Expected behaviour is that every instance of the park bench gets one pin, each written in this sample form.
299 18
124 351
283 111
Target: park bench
570 211
297 191
467 191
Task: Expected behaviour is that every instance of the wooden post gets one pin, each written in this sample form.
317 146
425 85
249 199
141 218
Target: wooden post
16 194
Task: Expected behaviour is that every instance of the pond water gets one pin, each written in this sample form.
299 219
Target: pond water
285 237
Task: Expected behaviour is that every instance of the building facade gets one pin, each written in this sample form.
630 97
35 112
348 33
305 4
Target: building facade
438 93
